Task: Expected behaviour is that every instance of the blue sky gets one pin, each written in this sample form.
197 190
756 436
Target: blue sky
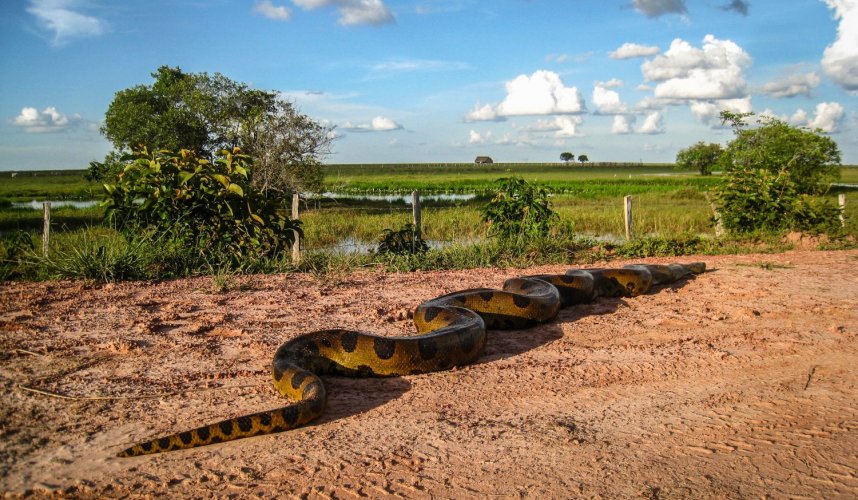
442 80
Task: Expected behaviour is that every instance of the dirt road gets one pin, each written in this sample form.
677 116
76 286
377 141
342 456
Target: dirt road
738 383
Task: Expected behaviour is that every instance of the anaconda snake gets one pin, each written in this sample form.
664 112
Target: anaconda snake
451 332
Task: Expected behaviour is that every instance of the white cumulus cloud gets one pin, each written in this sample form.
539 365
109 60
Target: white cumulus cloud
653 124
655 8
562 126
542 93
63 19
709 112
268 9
378 124
46 121
631 50
828 116
717 71
793 85
475 137
840 59
607 102
353 12
622 124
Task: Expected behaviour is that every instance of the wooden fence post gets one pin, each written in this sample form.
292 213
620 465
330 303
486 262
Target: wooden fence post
841 201
46 227
415 212
296 245
627 202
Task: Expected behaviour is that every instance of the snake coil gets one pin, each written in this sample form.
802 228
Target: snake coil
451 332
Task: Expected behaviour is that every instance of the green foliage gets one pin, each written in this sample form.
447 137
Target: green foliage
208 113
566 156
13 248
105 258
403 241
181 110
661 247
286 147
519 211
770 174
757 200
583 159
808 157
701 157
199 204
105 171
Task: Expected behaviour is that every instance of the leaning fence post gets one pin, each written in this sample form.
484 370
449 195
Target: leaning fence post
46 228
841 201
296 244
627 202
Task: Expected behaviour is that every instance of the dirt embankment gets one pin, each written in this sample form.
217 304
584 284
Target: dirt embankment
738 383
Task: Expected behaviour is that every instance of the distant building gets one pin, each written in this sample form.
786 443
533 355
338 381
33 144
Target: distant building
483 159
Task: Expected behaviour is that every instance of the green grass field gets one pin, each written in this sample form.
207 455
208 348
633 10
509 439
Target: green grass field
666 202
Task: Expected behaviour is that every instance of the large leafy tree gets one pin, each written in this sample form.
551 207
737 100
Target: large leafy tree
208 113
701 156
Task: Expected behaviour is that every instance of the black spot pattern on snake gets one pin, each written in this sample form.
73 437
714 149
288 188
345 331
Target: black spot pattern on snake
349 341
455 337
298 379
290 415
521 301
428 348
384 348
365 371
467 343
245 424
431 313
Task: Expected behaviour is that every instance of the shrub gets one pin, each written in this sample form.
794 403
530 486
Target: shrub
13 248
403 241
770 171
519 211
206 207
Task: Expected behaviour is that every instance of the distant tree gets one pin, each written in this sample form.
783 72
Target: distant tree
567 156
583 159
701 156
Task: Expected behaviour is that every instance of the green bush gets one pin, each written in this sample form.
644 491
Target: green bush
13 248
770 175
403 241
207 208
519 211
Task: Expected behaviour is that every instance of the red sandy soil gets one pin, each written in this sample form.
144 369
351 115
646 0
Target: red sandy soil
738 383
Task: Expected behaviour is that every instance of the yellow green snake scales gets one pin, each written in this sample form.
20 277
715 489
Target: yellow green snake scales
451 332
